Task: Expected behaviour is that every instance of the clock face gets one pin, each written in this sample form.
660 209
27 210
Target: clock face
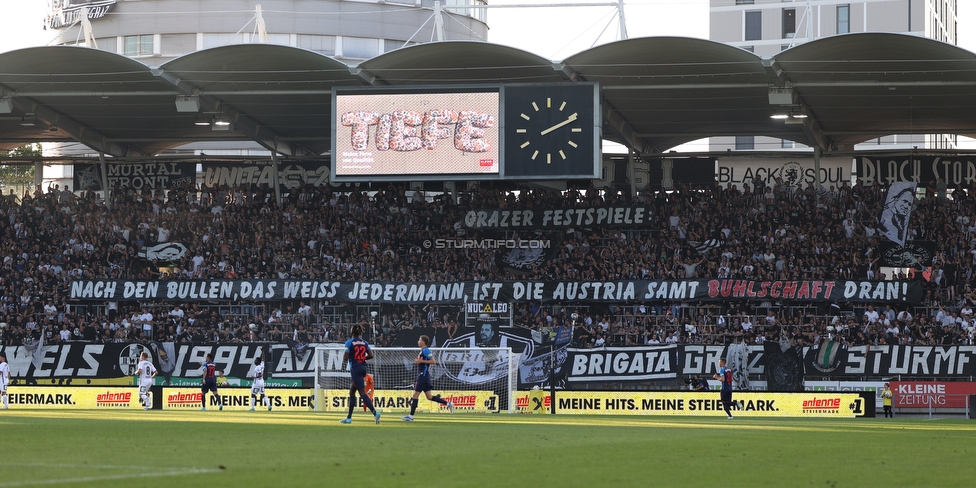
552 126
549 130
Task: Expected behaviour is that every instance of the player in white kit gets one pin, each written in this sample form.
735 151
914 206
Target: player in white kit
257 387
4 379
146 373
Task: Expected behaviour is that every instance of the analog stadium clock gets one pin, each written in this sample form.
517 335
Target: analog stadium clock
551 130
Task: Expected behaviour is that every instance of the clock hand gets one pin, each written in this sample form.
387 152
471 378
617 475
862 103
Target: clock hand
570 119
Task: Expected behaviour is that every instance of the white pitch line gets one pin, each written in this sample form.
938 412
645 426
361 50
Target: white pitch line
70 466
89 479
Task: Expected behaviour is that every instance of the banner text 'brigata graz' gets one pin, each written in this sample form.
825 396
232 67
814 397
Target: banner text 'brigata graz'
627 291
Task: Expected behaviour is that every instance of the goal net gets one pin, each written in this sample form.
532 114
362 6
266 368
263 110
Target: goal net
480 379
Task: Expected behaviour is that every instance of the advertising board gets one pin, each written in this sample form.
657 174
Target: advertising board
73 397
747 404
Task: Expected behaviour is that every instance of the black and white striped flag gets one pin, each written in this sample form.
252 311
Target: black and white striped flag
704 246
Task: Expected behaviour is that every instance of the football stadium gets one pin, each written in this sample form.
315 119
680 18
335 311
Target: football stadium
356 246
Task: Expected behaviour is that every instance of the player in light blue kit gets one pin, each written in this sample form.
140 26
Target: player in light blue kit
424 361
357 353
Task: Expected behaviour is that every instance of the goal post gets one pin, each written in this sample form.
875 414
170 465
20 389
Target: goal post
476 379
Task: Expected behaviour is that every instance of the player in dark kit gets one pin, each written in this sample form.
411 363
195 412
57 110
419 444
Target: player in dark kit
423 385
725 376
357 353
210 382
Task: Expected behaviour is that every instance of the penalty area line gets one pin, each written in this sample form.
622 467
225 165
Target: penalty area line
88 479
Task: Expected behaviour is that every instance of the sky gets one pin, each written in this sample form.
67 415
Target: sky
557 33
22 24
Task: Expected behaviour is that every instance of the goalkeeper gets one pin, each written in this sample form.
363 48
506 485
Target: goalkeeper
424 361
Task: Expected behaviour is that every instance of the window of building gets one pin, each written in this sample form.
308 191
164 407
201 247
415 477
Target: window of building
789 23
745 2
753 25
110 44
751 49
138 45
360 47
392 45
177 44
745 143
320 44
279 39
786 144
216 40
843 19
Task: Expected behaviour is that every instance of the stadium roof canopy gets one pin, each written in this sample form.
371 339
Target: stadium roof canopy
658 92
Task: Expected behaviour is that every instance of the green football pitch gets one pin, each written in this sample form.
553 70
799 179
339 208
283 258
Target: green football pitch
277 449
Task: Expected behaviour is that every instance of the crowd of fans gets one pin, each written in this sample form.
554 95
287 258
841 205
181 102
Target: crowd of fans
763 231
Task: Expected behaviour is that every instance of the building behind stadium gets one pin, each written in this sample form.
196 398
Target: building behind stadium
351 31
767 27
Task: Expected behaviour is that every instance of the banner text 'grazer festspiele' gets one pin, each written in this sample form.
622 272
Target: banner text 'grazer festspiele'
399 293
559 218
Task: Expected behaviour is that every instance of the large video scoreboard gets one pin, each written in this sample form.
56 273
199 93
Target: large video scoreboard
506 131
